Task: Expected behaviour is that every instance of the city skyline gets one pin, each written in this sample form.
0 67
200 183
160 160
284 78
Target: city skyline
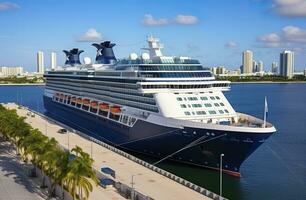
265 27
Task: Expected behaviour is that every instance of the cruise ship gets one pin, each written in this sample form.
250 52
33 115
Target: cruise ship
168 107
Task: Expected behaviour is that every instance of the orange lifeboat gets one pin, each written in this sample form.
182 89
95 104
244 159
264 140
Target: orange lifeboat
115 109
73 99
94 104
86 101
104 106
79 100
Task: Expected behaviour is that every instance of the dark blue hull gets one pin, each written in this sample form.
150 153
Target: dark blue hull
161 141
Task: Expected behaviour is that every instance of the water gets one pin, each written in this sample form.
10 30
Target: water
277 170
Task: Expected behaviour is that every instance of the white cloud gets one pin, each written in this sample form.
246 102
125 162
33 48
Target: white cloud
8 6
270 38
91 35
290 8
149 20
231 45
294 34
186 19
289 36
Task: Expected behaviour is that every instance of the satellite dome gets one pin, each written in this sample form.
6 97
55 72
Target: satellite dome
145 56
133 56
87 60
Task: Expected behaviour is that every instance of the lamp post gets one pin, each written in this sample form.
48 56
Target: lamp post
91 147
68 140
132 184
221 157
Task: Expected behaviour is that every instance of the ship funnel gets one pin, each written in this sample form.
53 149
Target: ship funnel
105 53
73 57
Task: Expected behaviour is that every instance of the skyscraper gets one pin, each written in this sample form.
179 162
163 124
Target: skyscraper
274 68
53 60
254 66
260 66
286 64
40 62
247 62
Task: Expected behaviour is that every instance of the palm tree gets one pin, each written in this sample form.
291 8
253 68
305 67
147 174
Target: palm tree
80 173
75 174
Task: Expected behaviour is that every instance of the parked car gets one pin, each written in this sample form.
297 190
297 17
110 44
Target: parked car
62 131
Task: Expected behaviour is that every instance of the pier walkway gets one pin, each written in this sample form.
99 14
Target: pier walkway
145 180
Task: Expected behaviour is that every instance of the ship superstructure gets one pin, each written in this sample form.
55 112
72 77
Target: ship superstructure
163 106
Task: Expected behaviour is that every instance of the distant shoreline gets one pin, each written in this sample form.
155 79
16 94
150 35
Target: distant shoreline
22 84
273 82
247 82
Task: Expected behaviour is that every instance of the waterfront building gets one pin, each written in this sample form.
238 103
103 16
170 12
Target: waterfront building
40 62
274 68
214 70
254 69
287 64
53 60
247 62
260 66
11 71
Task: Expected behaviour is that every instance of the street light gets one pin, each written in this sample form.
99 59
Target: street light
91 147
221 156
68 141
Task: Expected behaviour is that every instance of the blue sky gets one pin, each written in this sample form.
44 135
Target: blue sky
214 31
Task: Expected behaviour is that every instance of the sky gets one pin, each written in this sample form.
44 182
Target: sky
213 31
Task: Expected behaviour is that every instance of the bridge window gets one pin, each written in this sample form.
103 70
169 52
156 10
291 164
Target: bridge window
212 112
208 105
187 113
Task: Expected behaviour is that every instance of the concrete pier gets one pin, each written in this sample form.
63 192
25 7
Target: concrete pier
145 180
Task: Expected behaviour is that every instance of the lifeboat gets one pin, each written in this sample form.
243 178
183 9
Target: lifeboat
61 96
79 100
115 109
73 99
94 104
104 106
57 94
86 101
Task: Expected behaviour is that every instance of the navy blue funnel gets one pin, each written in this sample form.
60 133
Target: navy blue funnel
73 57
105 53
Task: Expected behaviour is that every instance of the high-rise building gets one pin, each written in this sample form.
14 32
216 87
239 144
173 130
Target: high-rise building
254 66
53 60
40 62
286 64
274 68
260 66
247 62
11 71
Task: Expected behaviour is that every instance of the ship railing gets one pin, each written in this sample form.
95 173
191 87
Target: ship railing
160 171
250 121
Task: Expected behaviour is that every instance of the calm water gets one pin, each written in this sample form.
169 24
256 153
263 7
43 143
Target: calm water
277 170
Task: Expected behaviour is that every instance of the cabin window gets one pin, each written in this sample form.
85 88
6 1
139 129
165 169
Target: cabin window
208 105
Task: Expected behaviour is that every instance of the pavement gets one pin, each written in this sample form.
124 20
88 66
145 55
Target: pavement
14 182
145 181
